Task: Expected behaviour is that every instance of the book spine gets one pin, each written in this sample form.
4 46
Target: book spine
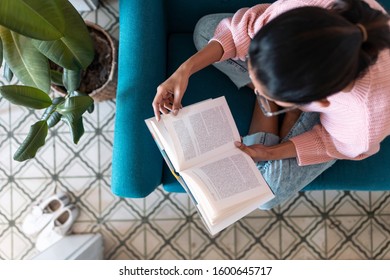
178 177
169 163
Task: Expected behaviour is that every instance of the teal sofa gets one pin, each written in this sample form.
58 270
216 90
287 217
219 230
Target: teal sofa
155 38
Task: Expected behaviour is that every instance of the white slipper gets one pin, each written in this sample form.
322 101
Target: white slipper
58 227
43 212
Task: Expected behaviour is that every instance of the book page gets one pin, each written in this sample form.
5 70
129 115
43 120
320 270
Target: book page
202 131
225 183
163 140
227 177
223 221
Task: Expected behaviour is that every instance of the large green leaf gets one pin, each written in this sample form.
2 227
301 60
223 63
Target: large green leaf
74 107
32 18
34 140
56 77
75 50
53 119
58 100
26 96
76 127
48 112
29 65
51 116
79 93
71 79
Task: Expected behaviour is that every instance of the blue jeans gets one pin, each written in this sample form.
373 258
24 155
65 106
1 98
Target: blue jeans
285 177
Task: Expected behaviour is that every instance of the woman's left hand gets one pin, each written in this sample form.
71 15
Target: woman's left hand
257 152
260 152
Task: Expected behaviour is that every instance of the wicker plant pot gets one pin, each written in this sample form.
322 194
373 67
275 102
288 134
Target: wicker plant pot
100 78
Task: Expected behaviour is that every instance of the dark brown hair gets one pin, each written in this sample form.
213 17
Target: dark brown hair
309 53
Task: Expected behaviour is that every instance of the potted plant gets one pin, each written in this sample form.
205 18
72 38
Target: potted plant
33 36
99 80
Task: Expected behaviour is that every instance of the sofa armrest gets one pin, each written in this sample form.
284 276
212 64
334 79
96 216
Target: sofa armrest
137 163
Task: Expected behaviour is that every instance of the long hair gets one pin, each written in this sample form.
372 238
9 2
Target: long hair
309 53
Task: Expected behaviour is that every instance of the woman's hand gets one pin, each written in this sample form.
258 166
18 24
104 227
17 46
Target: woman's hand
170 93
257 152
260 152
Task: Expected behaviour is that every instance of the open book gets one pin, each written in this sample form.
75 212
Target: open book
198 146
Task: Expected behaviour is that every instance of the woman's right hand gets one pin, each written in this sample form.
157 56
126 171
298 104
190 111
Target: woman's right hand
170 93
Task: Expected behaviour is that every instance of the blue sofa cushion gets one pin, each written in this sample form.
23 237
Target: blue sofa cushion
371 174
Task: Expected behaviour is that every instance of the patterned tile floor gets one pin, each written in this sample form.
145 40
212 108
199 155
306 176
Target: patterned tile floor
312 225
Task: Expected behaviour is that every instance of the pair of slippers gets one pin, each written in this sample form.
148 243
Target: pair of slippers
50 220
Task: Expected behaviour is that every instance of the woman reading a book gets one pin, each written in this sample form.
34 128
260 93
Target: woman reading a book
324 64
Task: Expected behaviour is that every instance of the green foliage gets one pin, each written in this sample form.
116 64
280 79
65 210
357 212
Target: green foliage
71 79
56 77
28 64
72 51
34 140
34 19
32 33
26 96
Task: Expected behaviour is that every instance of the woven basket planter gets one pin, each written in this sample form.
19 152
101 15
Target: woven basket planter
103 69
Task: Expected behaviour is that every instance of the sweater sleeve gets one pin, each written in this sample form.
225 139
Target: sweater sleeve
235 33
318 146
310 147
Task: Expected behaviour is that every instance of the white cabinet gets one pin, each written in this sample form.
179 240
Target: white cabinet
75 247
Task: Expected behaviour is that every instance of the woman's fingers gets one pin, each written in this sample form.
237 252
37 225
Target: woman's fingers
161 102
165 103
157 101
257 152
244 148
169 94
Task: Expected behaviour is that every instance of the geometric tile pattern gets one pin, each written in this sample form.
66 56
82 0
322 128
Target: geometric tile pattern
312 225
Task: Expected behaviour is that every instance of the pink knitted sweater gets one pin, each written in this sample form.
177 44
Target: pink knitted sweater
354 123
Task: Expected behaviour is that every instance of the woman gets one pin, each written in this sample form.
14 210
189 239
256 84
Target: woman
325 65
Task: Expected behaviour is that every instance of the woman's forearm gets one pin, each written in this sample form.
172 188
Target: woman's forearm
260 152
282 151
211 53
